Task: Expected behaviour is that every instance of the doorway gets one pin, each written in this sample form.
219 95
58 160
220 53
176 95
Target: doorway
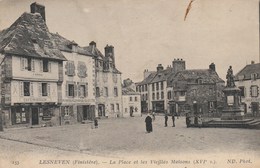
101 110
35 116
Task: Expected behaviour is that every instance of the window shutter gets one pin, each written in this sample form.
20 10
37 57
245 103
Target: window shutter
49 66
86 90
33 65
41 66
67 89
48 89
25 63
40 88
21 89
78 90
22 63
31 88
75 89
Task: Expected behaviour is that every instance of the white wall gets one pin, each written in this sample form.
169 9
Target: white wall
127 104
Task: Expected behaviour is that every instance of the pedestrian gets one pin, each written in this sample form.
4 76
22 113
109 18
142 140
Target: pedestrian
187 120
153 116
173 120
148 122
96 123
165 120
199 121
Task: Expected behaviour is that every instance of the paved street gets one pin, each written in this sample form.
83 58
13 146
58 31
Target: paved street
126 137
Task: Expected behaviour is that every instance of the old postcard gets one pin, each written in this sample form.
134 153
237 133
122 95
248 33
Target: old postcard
129 83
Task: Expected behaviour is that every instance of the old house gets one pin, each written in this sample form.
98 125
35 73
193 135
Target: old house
31 71
197 91
248 81
78 94
108 88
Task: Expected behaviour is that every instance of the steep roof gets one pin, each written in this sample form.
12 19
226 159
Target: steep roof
29 36
207 75
129 91
248 70
162 75
148 79
94 51
64 44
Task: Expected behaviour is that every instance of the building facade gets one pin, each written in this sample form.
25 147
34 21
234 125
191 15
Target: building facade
198 91
248 81
31 73
108 82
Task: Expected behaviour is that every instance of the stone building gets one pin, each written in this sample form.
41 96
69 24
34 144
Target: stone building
248 81
78 94
108 82
131 99
31 72
197 91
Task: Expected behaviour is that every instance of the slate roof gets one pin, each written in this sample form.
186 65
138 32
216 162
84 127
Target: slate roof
207 75
129 91
94 51
248 70
64 45
148 79
162 75
29 36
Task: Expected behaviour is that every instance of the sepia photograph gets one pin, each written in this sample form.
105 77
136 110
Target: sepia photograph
130 83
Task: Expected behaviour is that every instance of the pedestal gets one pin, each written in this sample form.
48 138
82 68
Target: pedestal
232 109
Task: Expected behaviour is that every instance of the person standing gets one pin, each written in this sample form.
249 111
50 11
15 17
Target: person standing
149 126
173 120
165 120
96 123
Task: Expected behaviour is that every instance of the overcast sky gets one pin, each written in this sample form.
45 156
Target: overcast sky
148 32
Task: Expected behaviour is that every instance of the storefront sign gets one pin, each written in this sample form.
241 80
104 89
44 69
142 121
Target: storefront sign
253 99
34 99
77 100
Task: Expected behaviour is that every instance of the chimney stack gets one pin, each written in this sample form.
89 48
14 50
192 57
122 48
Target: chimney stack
212 66
38 8
93 43
178 65
159 67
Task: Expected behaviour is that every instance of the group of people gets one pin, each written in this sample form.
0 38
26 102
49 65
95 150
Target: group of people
149 120
193 121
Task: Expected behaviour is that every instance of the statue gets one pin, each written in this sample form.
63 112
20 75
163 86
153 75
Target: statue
230 77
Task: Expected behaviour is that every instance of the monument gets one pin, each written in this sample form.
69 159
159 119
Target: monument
232 106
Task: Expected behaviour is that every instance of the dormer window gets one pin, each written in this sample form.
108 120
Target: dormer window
241 77
200 81
254 76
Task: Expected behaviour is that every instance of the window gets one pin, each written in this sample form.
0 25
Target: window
70 68
82 91
20 115
253 76
135 98
153 96
26 88
44 89
66 111
199 81
146 96
145 87
115 92
130 99
157 86
45 65
71 90
142 88
137 88
106 91
182 93
112 108
169 95
242 91
157 95
153 87
29 64
97 92
254 91
161 85
162 95
117 106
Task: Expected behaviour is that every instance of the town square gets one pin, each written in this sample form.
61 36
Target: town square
129 83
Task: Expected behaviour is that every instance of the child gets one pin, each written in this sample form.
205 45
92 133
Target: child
96 123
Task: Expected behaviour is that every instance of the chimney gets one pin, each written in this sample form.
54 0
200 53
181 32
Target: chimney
38 8
93 43
178 65
109 52
159 67
212 66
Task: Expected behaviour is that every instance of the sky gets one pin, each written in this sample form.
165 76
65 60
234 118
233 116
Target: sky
146 33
